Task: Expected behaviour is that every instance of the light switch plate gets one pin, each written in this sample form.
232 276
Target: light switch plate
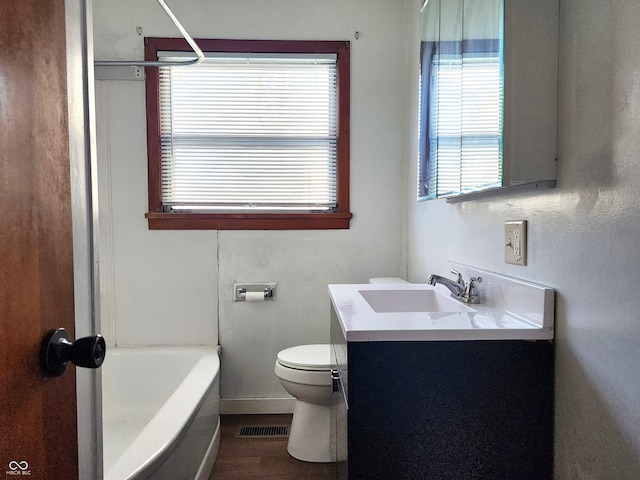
515 242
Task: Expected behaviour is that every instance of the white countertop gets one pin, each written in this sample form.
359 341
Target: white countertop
494 320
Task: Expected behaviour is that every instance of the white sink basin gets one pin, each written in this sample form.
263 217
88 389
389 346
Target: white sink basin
509 309
397 301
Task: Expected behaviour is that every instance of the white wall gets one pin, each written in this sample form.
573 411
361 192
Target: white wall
583 240
139 306
159 287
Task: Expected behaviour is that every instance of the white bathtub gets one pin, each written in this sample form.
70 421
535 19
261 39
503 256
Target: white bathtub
161 412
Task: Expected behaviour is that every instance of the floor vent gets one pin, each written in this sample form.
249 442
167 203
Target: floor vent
264 431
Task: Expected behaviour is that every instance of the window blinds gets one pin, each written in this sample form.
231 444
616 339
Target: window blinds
466 136
249 132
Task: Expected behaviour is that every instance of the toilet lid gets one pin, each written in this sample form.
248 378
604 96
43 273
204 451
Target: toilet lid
307 357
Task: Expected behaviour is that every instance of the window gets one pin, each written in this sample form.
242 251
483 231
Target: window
461 117
255 137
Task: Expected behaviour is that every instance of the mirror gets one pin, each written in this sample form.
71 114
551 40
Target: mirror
488 94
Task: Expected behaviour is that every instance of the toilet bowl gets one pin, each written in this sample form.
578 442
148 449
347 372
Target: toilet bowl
305 373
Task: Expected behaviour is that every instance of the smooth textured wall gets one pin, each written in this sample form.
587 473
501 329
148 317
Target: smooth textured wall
157 288
583 239
175 287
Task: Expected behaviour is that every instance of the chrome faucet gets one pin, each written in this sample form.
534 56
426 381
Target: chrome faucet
467 293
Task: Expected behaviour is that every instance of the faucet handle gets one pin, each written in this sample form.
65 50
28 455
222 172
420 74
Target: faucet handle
471 292
459 279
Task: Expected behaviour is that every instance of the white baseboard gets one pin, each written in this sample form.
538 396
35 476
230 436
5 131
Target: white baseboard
235 406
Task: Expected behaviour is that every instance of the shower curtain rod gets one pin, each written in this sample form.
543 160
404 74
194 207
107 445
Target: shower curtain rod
152 63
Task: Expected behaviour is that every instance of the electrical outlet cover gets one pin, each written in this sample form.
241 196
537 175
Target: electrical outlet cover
515 242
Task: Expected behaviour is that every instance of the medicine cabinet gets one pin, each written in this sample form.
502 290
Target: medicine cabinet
488 97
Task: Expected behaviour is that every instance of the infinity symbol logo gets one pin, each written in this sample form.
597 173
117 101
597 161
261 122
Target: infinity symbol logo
23 465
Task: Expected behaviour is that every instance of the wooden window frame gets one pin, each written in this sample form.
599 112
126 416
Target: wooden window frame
160 220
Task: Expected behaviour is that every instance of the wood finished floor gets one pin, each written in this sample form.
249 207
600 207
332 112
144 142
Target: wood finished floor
261 458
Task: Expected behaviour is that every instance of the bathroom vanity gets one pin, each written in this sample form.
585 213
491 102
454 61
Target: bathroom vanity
441 394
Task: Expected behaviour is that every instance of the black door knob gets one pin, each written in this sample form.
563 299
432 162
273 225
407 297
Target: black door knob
56 350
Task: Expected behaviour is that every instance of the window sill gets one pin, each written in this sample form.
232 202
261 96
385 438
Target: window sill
244 221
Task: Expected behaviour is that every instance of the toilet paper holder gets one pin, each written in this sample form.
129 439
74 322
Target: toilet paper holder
240 290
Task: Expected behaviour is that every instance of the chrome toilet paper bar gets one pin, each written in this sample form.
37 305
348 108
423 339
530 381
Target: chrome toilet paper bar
248 292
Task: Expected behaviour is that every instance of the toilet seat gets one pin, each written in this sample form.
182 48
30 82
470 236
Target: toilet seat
313 358
319 378
305 364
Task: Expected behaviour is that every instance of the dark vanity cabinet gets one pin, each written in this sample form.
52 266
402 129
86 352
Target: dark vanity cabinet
443 410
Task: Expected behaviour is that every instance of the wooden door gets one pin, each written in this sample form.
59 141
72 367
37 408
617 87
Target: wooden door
38 433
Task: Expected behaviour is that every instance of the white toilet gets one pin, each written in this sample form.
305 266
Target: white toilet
305 373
